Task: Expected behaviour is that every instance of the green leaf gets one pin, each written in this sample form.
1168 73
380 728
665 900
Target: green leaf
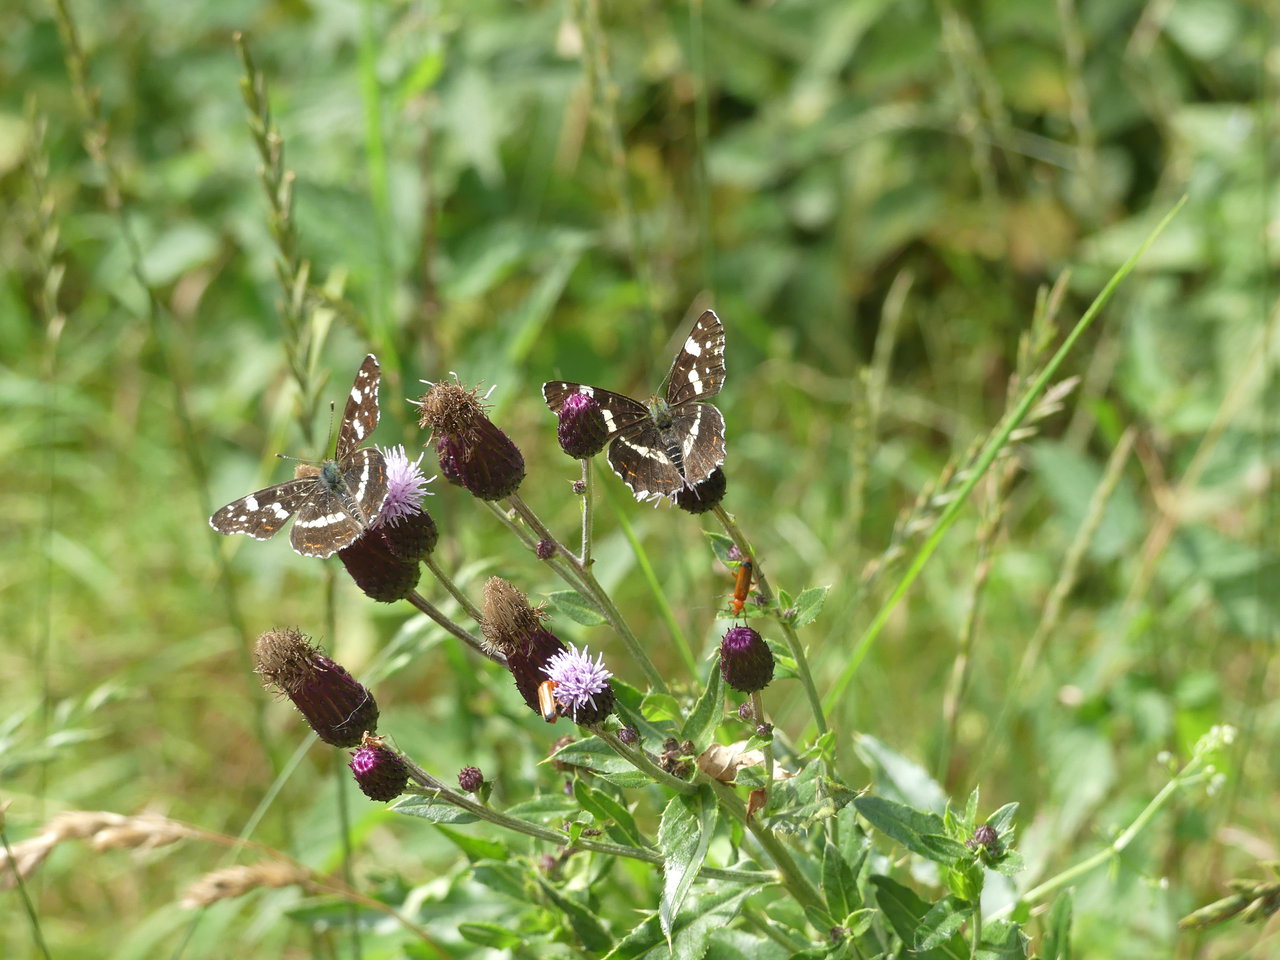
707 713
1009 864
693 931
720 546
838 882
900 823
683 837
899 778
475 848
1056 943
592 934
905 911
1002 940
433 809
608 810
576 607
941 923
490 935
1002 820
808 605
943 849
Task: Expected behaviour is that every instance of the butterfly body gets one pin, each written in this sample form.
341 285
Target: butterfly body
676 439
334 503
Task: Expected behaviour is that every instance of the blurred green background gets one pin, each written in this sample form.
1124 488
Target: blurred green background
872 195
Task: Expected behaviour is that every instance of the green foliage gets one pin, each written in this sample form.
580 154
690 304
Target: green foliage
899 210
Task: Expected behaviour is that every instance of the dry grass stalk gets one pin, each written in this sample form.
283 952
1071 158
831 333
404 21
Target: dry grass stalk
236 881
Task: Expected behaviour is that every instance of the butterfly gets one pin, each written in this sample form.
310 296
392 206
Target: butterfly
336 502
674 441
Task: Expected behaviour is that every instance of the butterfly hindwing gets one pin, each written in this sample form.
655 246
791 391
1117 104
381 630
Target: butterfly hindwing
621 413
644 466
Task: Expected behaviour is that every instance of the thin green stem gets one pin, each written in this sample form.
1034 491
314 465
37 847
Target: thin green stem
988 456
429 786
588 489
757 706
33 918
766 591
425 605
975 929
640 760
446 581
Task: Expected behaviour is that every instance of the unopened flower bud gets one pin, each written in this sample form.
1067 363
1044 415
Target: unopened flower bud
377 570
337 706
704 495
582 430
380 772
746 662
470 779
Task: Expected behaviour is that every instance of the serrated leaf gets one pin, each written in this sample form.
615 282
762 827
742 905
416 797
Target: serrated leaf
475 848
838 882
490 935
693 930
900 778
971 808
433 809
707 713
900 822
1002 940
502 877
808 605
1056 944
1002 820
576 607
683 838
549 806
905 910
941 923
943 849
606 809
1009 864
720 546
583 922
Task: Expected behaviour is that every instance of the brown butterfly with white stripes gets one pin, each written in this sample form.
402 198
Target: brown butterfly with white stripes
337 501
674 441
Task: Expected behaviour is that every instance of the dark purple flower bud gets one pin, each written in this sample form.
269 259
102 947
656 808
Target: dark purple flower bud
764 731
746 712
339 709
629 735
734 554
546 549
413 538
380 772
582 430
702 496
474 453
377 570
470 779
746 662
579 487
986 838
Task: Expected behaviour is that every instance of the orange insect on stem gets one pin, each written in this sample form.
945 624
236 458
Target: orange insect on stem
741 587
548 705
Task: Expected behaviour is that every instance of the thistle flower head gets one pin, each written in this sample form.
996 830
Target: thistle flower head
582 684
380 772
473 452
339 709
704 495
375 565
406 487
508 619
582 430
746 662
470 779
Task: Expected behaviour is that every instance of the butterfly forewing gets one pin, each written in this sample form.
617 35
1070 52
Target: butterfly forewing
621 413
335 504
697 372
360 418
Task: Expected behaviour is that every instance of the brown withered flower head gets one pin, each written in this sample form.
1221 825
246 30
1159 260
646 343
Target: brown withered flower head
474 454
336 705
514 628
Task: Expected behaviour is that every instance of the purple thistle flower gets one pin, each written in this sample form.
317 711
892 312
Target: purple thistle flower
582 684
746 662
406 486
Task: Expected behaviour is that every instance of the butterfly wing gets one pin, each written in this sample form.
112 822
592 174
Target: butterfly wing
323 526
696 440
621 413
263 514
365 475
360 418
639 458
697 372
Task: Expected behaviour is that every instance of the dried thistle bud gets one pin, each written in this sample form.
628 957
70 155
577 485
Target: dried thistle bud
338 708
474 453
380 772
376 568
508 618
582 430
704 495
470 779
746 662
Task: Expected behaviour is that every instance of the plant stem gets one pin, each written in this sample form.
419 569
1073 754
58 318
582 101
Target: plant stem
447 582
766 590
641 761
425 605
588 488
757 705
